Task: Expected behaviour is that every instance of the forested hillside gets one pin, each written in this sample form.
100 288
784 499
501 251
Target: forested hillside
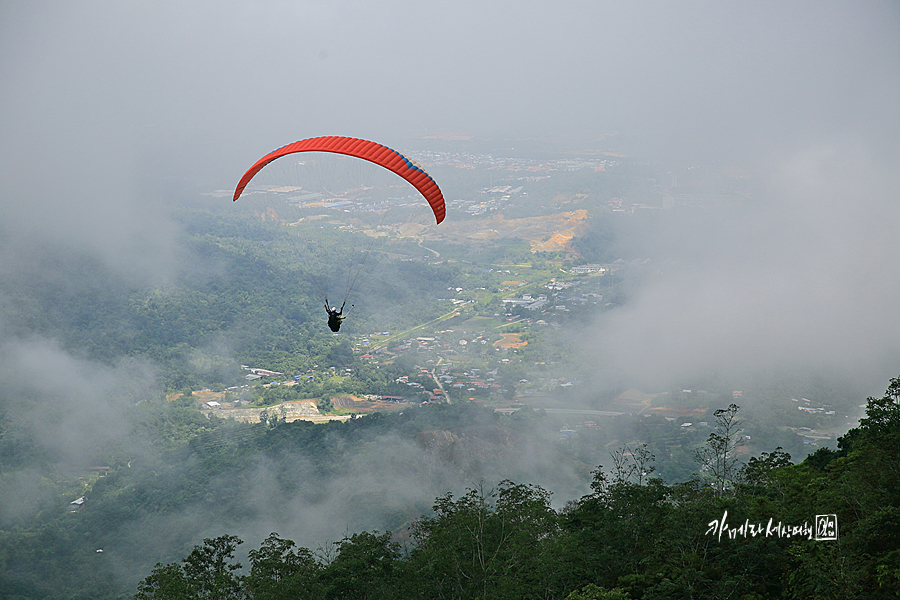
179 477
499 534
826 528
240 296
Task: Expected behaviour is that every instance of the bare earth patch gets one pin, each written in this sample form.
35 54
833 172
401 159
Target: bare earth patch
510 340
545 234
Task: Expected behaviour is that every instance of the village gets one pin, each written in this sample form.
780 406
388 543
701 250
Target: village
493 343
497 359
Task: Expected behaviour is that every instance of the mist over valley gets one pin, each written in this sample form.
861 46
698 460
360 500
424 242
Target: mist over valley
664 289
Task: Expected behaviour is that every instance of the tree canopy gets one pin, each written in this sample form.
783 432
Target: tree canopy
629 538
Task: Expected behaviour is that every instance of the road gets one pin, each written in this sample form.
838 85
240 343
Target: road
403 334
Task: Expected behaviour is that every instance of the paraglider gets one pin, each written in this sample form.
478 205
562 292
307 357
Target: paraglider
366 150
363 149
336 316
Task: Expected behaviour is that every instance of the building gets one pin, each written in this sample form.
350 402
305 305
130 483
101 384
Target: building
588 269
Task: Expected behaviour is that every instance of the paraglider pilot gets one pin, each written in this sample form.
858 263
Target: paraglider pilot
335 316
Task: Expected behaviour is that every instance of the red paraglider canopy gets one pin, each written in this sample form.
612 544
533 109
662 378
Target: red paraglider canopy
370 151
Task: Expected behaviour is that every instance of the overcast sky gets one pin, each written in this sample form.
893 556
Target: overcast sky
217 81
108 109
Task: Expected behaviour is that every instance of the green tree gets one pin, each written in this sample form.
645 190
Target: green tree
165 582
366 567
613 533
717 457
210 571
279 569
758 475
325 405
494 544
595 592
860 483
206 573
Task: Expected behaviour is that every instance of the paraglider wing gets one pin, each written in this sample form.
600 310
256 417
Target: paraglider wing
364 149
